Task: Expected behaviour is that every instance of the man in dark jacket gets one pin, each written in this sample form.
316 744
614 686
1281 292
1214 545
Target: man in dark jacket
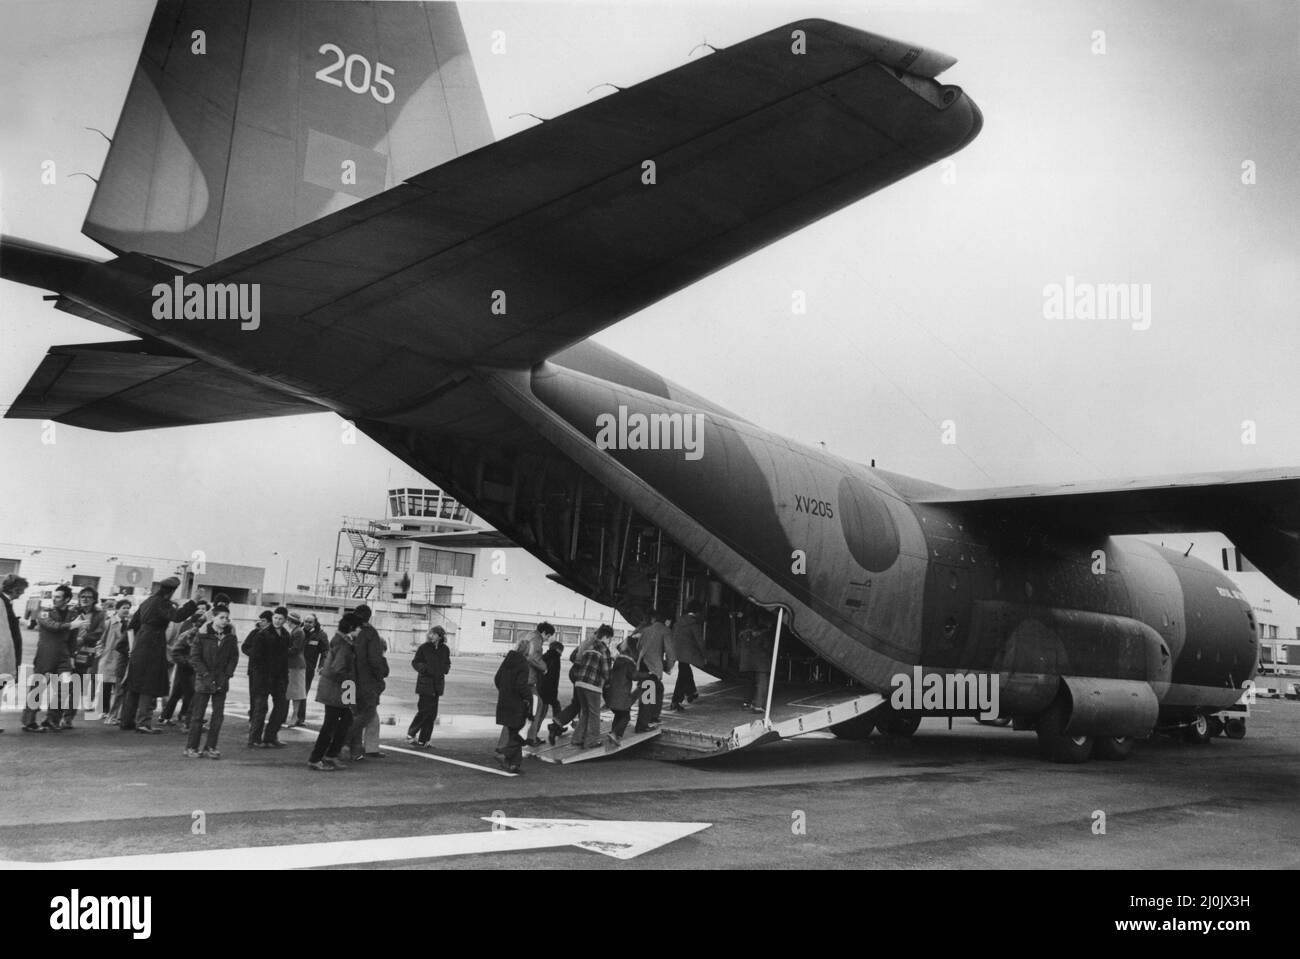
268 675
315 644
146 674
688 648
514 702
58 628
214 653
372 670
432 662
336 691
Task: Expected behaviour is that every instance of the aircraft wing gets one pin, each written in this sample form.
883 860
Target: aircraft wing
1259 510
508 254
131 385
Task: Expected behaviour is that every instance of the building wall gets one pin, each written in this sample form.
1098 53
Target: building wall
53 564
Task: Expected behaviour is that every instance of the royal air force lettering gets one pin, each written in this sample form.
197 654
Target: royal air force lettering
652 431
945 692
76 912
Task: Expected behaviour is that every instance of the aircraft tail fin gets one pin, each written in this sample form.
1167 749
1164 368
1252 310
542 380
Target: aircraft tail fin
248 118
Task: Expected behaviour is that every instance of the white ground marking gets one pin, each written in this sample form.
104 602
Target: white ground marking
621 840
424 755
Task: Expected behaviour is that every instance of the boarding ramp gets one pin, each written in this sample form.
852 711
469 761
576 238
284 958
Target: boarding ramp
716 723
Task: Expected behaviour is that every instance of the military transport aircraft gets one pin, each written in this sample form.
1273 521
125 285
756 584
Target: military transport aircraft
320 183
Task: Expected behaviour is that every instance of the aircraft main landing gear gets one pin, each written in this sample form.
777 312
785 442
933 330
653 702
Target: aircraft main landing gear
1054 743
900 725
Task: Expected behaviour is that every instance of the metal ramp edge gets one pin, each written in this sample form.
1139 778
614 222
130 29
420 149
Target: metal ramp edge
564 753
696 744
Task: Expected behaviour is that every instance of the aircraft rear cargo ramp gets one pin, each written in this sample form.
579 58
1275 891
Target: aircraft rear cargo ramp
716 723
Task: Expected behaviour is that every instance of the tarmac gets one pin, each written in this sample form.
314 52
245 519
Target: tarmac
970 797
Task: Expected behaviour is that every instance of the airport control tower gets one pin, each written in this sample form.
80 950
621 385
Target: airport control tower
374 564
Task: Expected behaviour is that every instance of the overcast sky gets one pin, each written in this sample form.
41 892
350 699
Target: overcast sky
925 302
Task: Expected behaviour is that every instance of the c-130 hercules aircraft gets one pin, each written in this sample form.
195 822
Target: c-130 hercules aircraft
336 158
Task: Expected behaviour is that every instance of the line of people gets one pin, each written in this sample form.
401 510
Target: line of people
138 665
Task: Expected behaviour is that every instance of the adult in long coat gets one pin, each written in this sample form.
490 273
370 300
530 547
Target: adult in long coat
146 676
655 657
514 702
688 647
11 588
11 642
372 670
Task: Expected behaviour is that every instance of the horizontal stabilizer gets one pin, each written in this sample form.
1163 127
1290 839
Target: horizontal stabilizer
1259 510
131 385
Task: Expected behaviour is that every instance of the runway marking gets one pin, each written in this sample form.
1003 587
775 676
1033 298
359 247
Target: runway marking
424 755
621 840
448 759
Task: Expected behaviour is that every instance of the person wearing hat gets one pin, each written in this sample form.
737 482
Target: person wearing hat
432 662
267 650
146 676
297 690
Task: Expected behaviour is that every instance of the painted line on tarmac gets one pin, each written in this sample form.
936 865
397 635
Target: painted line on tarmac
448 759
424 755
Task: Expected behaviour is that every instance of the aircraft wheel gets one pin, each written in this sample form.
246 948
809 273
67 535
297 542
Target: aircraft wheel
1216 725
859 727
900 725
1055 744
1198 731
1113 747
1235 728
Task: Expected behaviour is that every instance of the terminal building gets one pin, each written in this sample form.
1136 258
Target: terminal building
127 574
